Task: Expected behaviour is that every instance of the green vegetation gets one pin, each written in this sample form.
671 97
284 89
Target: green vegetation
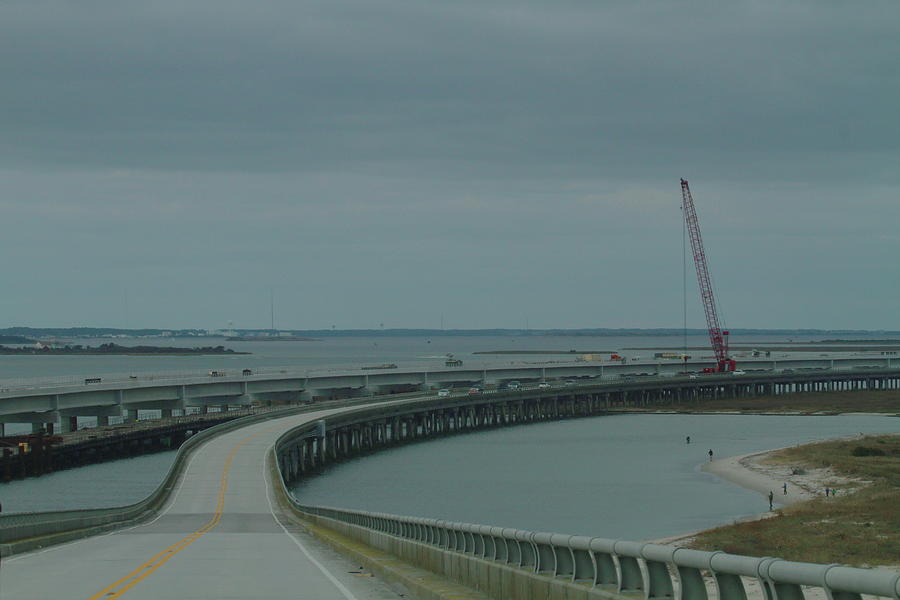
116 349
858 527
876 401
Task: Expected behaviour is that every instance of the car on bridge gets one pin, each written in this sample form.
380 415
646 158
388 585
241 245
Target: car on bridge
443 393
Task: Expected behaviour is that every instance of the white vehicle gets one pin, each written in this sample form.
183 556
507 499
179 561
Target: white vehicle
543 385
443 393
739 372
513 385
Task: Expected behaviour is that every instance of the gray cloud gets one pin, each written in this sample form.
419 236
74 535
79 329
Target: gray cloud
392 160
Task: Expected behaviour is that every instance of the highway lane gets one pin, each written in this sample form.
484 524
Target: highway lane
220 536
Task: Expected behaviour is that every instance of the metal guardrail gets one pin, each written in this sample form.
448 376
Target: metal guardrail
650 571
647 570
20 526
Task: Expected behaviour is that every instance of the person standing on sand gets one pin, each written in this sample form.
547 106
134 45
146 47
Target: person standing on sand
784 487
771 499
710 455
688 439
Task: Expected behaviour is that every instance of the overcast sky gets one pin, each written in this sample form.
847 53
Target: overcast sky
390 161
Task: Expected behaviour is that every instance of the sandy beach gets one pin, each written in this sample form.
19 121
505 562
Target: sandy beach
748 471
788 484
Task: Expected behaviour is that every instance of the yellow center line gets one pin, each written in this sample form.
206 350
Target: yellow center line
119 587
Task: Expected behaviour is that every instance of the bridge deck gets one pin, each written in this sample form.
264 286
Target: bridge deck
220 536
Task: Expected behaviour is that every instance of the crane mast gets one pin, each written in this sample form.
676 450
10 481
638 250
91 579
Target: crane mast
718 338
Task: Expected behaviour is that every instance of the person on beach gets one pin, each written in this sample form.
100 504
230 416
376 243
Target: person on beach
710 455
826 492
688 439
784 487
771 499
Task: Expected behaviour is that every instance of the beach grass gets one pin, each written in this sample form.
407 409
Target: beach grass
860 526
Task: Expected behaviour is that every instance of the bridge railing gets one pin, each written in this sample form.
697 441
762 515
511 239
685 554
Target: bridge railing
645 570
139 379
21 527
29 530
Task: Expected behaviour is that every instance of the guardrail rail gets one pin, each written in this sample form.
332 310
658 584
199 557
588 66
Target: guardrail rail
646 570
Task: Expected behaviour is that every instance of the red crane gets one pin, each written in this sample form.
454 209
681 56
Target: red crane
718 337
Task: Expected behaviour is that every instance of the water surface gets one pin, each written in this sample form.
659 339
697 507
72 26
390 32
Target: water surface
102 485
621 476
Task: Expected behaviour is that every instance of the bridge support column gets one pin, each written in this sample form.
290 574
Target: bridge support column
68 424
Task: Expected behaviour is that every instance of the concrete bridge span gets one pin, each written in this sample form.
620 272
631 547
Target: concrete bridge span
212 530
45 402
507 563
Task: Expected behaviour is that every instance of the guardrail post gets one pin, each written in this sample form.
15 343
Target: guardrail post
487 541
690 576
546 557
659 581
605 573
632 578
565 561
513 556
527 553
765 583
499 544
582 558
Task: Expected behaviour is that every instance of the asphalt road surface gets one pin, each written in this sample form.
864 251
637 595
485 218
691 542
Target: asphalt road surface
221 536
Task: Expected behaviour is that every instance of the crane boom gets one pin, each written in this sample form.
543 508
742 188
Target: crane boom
718 337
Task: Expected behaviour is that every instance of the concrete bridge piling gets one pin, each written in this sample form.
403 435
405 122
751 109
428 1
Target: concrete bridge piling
508 563
342 438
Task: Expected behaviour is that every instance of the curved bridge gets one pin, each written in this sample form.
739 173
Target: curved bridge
216 534
215 530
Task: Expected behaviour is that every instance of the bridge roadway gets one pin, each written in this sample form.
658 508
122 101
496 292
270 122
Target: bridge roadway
39 403
221 535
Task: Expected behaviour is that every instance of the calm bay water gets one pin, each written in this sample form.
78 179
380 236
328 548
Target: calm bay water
621 476
333 352
114 483
576 469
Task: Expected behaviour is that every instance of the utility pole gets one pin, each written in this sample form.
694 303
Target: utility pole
272 307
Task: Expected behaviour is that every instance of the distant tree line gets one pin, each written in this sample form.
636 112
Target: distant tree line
116 349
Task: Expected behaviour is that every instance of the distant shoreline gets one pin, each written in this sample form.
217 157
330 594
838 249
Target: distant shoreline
286 338
116 350
545 352
836 335
787 347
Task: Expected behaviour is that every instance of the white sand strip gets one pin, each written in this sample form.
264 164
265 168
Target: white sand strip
745 471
